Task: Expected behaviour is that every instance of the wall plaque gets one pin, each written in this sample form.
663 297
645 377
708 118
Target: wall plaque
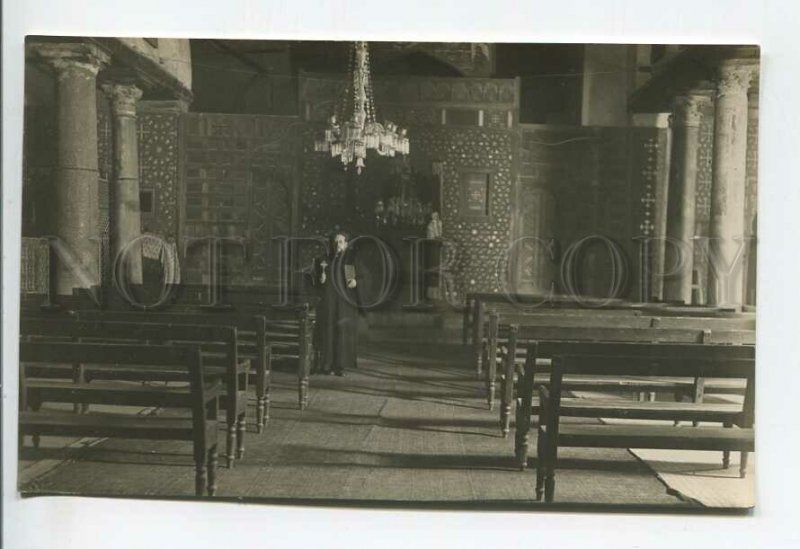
475 195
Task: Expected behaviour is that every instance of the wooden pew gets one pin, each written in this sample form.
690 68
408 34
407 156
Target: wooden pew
484 304
718 330
251 336
200 397
479 305
499 334
554 337
634 341
218 343
290 327
654 360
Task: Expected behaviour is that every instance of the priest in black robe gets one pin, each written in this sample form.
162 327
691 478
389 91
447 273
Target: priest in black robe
337 313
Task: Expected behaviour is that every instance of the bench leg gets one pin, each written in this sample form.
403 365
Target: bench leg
523 428
698 390
550 461
303 392
230 441
260 410
79 376
517 431
199 476
36 439
726 455
678 398
540 466
265 417
507 398
241 426
261 389
549 486
212 471
743 464
479 352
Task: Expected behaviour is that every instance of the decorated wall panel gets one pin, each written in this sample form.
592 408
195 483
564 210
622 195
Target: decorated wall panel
240 182
159 168
105 163
607 184
705 173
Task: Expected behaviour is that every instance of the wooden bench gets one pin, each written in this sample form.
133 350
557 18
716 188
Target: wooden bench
290 328
540 352
655 360
621 317
482 306
218 343
686 330
499 333
200 397
251 333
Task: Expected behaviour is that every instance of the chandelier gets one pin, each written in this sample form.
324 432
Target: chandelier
352 129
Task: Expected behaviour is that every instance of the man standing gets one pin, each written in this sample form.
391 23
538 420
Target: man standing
337 318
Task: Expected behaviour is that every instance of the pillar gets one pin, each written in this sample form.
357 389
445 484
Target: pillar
73 209
126 214
681 196
726 230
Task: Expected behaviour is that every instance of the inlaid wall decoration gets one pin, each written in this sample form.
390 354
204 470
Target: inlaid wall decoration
35 266
105 162
158 169
481 242
705 164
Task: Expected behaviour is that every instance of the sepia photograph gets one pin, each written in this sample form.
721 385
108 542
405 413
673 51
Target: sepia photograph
416 274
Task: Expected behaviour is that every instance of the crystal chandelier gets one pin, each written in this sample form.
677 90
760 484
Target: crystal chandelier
353 128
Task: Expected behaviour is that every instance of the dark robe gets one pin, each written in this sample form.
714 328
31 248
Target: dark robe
337 313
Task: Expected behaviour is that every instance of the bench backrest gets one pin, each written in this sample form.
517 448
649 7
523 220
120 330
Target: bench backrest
214 338
266 301
244 323
128 355
639 321
642 335
655 360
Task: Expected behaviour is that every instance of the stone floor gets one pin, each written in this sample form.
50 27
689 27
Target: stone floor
403 428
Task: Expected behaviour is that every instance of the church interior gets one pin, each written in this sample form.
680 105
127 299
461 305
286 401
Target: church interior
545 289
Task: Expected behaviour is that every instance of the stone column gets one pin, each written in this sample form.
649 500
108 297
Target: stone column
73 211
679 257
126 221
726 229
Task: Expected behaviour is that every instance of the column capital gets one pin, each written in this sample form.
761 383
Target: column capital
688 108
124 98
735 77
71 58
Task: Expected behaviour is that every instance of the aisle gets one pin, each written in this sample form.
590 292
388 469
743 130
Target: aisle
400 428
